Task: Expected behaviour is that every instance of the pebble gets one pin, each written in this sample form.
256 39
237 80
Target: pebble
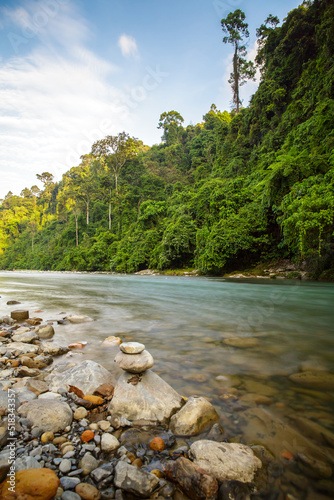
70 495
87 436
88 463
88 491
80 413
109 443
46 437
65 466
69 483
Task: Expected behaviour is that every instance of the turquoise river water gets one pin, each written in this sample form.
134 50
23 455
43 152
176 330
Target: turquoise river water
186 324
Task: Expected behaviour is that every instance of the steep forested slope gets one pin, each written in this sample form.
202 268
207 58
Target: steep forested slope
229 192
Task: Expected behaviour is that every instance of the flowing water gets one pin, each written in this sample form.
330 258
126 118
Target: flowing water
186 324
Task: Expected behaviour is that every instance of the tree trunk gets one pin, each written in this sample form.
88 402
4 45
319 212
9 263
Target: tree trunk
109 214
87 212
236 78
76 231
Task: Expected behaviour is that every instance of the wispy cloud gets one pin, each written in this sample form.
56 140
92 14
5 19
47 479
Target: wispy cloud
55 102
128 46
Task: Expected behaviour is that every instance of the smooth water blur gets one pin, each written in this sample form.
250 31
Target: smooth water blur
183 322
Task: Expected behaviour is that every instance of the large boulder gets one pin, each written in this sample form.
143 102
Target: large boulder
146 398
134 480
87 376
37 484
47 414
225 461
134 363
196 416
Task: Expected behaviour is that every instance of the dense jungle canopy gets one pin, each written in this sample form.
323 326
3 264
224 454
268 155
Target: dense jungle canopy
237 189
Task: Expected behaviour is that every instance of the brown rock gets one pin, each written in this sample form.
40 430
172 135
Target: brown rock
87 491
24 371
14 363
192 480
96 400
31 484
19 315
34 321
112 341
46 437
104 390
84 403
138 463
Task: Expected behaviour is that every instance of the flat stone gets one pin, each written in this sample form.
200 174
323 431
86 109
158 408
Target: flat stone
45 331
242 342
314 380
134 480
112 341
225 461
134 363
152 399
69 483
50 395
51 349
25 337
24 371
195 416
37 386
87 376
47 415
23 395
19 347
26 462
77 318
132 347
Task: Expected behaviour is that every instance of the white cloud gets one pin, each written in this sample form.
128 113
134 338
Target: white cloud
55 102
128 46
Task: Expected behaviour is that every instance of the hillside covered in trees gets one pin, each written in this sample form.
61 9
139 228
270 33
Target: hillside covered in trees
233 191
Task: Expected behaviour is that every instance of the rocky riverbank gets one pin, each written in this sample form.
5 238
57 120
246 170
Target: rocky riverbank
79 433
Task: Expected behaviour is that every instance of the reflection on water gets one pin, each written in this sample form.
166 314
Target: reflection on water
183 321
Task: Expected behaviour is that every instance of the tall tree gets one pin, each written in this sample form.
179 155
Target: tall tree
171 123
236 29
115 150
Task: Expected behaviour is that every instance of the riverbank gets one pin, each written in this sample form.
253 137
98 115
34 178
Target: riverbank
61 435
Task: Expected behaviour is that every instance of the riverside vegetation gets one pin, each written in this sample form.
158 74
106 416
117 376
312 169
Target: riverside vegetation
239 189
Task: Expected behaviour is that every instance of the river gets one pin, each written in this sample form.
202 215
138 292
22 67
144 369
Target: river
186 324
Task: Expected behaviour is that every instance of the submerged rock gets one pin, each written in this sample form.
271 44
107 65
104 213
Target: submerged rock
77 318
196 416
47 414
192 480
314 379
242 342
225 461
87 376
146 398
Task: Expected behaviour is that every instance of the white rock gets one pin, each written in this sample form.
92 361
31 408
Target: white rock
109 443
134 363
20 347
151 399
134 480
225 461
132 347
50 395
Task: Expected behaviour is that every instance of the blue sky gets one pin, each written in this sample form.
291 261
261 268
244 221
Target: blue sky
74 71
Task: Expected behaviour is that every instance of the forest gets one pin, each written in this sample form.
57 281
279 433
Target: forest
237 189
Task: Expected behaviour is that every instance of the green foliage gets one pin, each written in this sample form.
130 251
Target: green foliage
232 191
